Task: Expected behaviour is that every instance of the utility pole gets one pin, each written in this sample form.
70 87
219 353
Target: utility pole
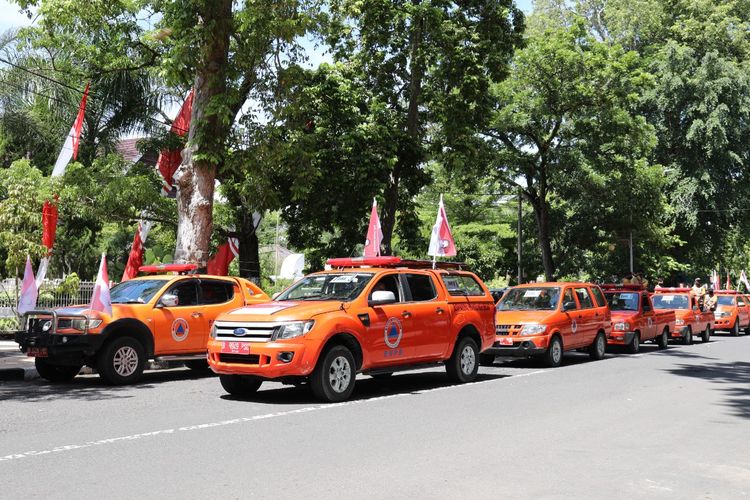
518 243
630 244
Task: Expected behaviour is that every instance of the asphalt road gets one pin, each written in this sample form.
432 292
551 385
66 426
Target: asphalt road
671 424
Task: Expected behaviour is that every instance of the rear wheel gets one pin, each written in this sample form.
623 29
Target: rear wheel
706 335
688 338
553 356
598 348
486 359
55 373
663 340
121 361
240 385
635 344
333 377
735 331
463 364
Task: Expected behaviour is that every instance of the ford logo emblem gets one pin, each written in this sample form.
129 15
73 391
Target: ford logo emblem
241 332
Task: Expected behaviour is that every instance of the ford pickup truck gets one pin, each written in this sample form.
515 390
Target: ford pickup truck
690 319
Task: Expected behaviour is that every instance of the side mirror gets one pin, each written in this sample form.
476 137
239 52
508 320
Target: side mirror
569 306
381 297
169 300
275 295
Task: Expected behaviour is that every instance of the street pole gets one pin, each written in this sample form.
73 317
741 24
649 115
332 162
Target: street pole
630 244
518 243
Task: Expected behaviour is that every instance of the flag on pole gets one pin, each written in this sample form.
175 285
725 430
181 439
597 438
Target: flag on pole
218 265
29 290
744 281
70 148
100 299
49 230
135 259
374 233
169 160
729 283
715 280
441 240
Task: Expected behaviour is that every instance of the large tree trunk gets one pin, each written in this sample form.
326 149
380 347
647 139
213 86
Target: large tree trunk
206 139
541 213
249 248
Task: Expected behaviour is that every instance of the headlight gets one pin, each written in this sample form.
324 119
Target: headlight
295 329
722 314
623 326
85 324
679 322
533 329
213 331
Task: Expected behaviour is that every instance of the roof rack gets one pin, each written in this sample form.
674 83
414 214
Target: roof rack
620 286
393 261
168 268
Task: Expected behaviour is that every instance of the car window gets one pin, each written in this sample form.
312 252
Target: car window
328 286
421 287
388 283
530 299
584 298
216 292
645 304
461 284
670 301
623 301
568 297
187 293
600 301
740 301
135 291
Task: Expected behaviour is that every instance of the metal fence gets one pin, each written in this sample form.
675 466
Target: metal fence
49 297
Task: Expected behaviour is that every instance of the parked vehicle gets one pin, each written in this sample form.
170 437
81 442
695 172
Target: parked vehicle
634 319
732 312
165 317
690 319
546 319
374 316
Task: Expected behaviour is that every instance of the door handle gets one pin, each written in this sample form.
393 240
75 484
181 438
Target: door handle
439 310
196 314
406 314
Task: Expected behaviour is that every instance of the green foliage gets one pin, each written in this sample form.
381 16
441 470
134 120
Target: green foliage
69 285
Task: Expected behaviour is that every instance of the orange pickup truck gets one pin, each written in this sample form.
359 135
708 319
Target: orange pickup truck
634 319
689 318
375 316
165 317
732 312
547 319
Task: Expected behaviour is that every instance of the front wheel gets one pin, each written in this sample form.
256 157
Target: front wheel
462 366
663 340
121 361
554 354
598 348
333 377
55 373
706 335
635 344
688 338
735 331
240 385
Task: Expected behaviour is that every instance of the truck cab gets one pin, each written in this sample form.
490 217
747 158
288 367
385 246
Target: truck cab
690 318
634 319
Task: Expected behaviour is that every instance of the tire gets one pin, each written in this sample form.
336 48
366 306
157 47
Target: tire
553 356
121 361
486 359
55 373
240 385
635 344
663 340
688 339
197 365
706 335
463 364
735 331
334 375
747 330
598 348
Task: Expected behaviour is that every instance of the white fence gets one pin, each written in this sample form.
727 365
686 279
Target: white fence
49 297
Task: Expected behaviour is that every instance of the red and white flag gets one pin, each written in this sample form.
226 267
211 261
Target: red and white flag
135 259
70 148
218 265
29 290
374 233
715 280
169 160
441 240
729 283
100 299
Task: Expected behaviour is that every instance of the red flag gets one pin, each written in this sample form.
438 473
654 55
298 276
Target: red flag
374 233
49 225
135 259
70 148
441 240
169 160
100 300
218 265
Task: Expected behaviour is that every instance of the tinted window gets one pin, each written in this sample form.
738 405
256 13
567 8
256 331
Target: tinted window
461 284
216 292
421 287
584 298
187 293
668 301
726 300
530 299
645 304
623 301
568 298
740 301
599 296
388 283
135 291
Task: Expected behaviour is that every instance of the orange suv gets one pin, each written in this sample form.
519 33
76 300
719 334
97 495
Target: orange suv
732 312
163 317
546 319
374 316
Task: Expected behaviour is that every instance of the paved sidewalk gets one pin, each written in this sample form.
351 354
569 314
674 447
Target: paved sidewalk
15 365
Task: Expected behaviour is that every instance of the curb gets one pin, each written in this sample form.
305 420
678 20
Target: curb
15 374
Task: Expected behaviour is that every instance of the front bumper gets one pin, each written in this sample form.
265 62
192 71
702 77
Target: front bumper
679 333
620 338
724 324
522 347
265 360
64 349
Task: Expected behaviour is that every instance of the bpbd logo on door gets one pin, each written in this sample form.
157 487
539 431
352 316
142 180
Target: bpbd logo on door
392 334
180 329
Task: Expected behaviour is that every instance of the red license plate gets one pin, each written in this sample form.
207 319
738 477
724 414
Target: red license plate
37 352
505 341
235 348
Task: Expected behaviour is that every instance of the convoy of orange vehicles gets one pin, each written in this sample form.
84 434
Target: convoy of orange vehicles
373 316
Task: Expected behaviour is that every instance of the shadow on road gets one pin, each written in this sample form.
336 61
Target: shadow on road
366 388
91 387
734 379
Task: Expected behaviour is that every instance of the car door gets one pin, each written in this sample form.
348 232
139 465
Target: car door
429 314
392 333
588 322
180 328
603 314
648 322
572 333
743 311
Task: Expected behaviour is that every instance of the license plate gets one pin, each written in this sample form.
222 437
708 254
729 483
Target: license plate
37 352
235 348
505 341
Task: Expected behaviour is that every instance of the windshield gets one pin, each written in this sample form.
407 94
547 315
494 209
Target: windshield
530 299
725 300
623 301
343 287
135 291
666 301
